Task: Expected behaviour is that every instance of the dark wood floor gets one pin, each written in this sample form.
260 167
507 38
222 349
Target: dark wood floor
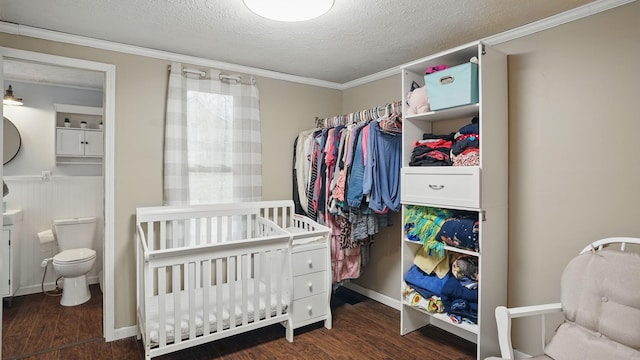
38 327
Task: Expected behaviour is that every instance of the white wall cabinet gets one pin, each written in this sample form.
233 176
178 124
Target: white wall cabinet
79 142
480 190
75 144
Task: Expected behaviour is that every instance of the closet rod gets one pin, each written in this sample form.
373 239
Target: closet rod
397 104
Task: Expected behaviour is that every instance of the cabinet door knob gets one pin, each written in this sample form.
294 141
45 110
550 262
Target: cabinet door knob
436 187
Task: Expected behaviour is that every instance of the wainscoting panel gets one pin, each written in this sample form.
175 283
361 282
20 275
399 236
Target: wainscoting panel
42 201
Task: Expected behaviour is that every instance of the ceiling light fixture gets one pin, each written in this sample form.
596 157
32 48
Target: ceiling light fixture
289 10
9 99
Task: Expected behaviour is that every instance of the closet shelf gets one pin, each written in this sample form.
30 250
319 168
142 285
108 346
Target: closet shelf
447 114
446 247
471 328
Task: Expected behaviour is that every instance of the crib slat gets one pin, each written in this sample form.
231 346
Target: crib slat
163 235
150 238
266 278
257 261
206 287
227 236
218 226
219 293
209 237
245 289
162 308
198 232
279 281
231 282
191 285
177 308
249 229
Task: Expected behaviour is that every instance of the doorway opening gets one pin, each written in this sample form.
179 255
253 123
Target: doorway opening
48 76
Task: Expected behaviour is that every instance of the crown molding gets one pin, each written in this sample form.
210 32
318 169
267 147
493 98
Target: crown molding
529 29
555 20
17 29
532 28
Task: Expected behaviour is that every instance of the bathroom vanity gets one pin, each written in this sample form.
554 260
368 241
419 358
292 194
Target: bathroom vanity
10 274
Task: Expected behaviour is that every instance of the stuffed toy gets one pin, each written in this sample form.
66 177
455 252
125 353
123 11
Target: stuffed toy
417 100
465 267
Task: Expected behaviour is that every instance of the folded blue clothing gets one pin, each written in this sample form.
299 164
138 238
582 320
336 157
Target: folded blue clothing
425 284
470 129
453 289
463 309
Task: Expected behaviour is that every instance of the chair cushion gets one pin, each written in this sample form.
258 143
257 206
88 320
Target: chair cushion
601 303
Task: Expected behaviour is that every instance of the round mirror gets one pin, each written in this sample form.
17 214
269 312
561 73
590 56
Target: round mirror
12 141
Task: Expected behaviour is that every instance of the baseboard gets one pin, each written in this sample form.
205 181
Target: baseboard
374 295
34 289
125 332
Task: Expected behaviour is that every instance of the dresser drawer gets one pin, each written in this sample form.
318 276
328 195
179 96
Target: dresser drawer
306 262
309 284
310 307
457 186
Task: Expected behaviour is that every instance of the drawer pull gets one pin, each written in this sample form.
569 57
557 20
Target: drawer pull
310 310
310 262
310 285
436 187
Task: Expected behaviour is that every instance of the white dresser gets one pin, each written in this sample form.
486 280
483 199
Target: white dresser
311 283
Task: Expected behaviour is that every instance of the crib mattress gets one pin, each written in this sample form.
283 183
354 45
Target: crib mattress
152 322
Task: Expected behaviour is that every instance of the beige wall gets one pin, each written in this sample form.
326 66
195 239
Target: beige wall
573 168
286 109
573 133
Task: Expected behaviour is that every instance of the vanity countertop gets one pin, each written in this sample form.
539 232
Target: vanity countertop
11 217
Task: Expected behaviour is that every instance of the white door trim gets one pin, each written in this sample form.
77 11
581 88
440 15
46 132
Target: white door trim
109 71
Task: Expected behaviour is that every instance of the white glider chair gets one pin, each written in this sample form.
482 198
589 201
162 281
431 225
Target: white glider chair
600 300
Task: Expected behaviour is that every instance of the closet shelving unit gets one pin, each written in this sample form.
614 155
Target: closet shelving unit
480 189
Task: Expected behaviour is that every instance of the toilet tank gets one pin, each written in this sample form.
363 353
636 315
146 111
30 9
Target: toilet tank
75 233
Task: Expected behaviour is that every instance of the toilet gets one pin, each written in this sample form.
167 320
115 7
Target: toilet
76 258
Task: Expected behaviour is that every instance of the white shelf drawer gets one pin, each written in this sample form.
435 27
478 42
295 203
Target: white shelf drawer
309 308
307 262
309 284
457 186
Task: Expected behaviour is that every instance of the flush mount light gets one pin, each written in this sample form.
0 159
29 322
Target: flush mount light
289 10
9 99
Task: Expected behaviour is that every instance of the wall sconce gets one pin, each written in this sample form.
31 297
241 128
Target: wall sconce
9 99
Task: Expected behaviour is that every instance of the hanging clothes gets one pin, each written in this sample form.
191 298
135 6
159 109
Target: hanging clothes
347 177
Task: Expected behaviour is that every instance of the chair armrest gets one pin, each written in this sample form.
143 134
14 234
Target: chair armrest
503 321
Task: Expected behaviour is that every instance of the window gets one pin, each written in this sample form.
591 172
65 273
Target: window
210 134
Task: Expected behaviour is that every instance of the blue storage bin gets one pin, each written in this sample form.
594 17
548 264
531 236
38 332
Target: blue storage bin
455 86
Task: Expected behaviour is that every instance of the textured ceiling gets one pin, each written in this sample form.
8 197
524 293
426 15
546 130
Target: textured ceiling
355 39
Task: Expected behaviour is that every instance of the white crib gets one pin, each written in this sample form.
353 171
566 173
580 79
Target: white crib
216 270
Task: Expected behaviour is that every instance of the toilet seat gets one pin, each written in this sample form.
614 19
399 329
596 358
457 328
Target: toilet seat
74 256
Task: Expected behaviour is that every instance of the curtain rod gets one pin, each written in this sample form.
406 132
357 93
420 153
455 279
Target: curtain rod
221 76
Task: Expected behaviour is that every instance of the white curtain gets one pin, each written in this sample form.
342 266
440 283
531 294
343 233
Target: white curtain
212 149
